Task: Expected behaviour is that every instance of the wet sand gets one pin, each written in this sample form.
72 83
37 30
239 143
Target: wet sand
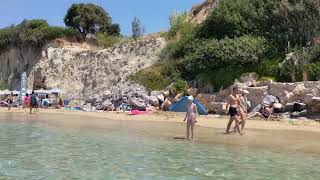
293 137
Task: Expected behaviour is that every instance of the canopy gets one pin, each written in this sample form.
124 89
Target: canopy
42 91
182 106
55 91
5 92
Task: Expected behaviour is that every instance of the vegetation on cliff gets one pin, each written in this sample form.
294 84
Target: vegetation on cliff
35 32
80 20
242 36
90 18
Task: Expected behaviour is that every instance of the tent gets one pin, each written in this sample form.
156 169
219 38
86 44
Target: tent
182 106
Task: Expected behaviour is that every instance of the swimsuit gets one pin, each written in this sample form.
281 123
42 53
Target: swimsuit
233 111
191 116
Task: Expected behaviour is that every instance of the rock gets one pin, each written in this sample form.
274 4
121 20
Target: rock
256 108
192 92
298 107
205 99
249 79
217 107
315 105
289 107
106 103
178 97
87 107
153 100
256 94
166 93
155 93
137 104
166 105
161 98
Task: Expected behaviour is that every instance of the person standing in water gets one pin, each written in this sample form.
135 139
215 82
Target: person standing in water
233 107
33 101
10 101
191 117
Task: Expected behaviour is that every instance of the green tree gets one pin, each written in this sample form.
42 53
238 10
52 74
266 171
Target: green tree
137 29
87 18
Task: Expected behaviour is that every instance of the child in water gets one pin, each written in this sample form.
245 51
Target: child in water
191 117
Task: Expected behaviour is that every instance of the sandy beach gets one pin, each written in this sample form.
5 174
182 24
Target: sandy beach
299 136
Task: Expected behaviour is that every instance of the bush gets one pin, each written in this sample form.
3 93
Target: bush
214 54
157 77
264 78
105 40
32 32
3 86
179 25
179 86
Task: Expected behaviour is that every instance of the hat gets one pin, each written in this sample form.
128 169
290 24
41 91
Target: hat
245 92
190 98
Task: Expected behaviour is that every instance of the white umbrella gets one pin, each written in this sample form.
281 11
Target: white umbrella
55 91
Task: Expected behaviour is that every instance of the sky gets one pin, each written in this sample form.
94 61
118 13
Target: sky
153 14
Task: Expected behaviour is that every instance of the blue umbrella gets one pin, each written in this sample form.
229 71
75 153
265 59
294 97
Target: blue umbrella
182 106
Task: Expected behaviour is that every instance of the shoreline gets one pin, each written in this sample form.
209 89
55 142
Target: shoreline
278 136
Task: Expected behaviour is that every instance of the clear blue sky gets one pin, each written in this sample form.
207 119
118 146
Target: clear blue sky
154 14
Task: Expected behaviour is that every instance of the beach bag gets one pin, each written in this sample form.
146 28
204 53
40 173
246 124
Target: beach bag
33 100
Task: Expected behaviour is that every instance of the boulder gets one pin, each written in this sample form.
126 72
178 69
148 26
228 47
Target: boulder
161 98
155 93
192 92
166 93
153 101
256 109
178 97
205 99
289 107
166 105
315 105
217 107
249 79
138 104
299 107
256 94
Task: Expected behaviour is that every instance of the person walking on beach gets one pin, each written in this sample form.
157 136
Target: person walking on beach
190 117
33 102
233 107
244 110
10 101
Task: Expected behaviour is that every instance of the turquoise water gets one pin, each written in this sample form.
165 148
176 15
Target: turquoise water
38 151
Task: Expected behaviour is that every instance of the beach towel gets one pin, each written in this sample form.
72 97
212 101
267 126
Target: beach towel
137 112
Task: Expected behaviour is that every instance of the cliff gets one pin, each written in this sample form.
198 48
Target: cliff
79 71
201 11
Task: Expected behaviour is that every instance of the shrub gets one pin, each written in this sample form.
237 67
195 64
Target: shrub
3 85
264 78
179 86
32 32
105 40
179 25
214 54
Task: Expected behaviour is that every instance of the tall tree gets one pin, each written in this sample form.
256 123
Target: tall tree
87 18
137 29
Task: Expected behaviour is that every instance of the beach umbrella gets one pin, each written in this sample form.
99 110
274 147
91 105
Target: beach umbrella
42 91
55 91
182 106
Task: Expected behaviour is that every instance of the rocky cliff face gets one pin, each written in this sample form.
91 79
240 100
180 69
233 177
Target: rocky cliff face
83 73
15 61
201 11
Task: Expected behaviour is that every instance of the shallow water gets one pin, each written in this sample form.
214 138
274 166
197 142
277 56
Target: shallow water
35 150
